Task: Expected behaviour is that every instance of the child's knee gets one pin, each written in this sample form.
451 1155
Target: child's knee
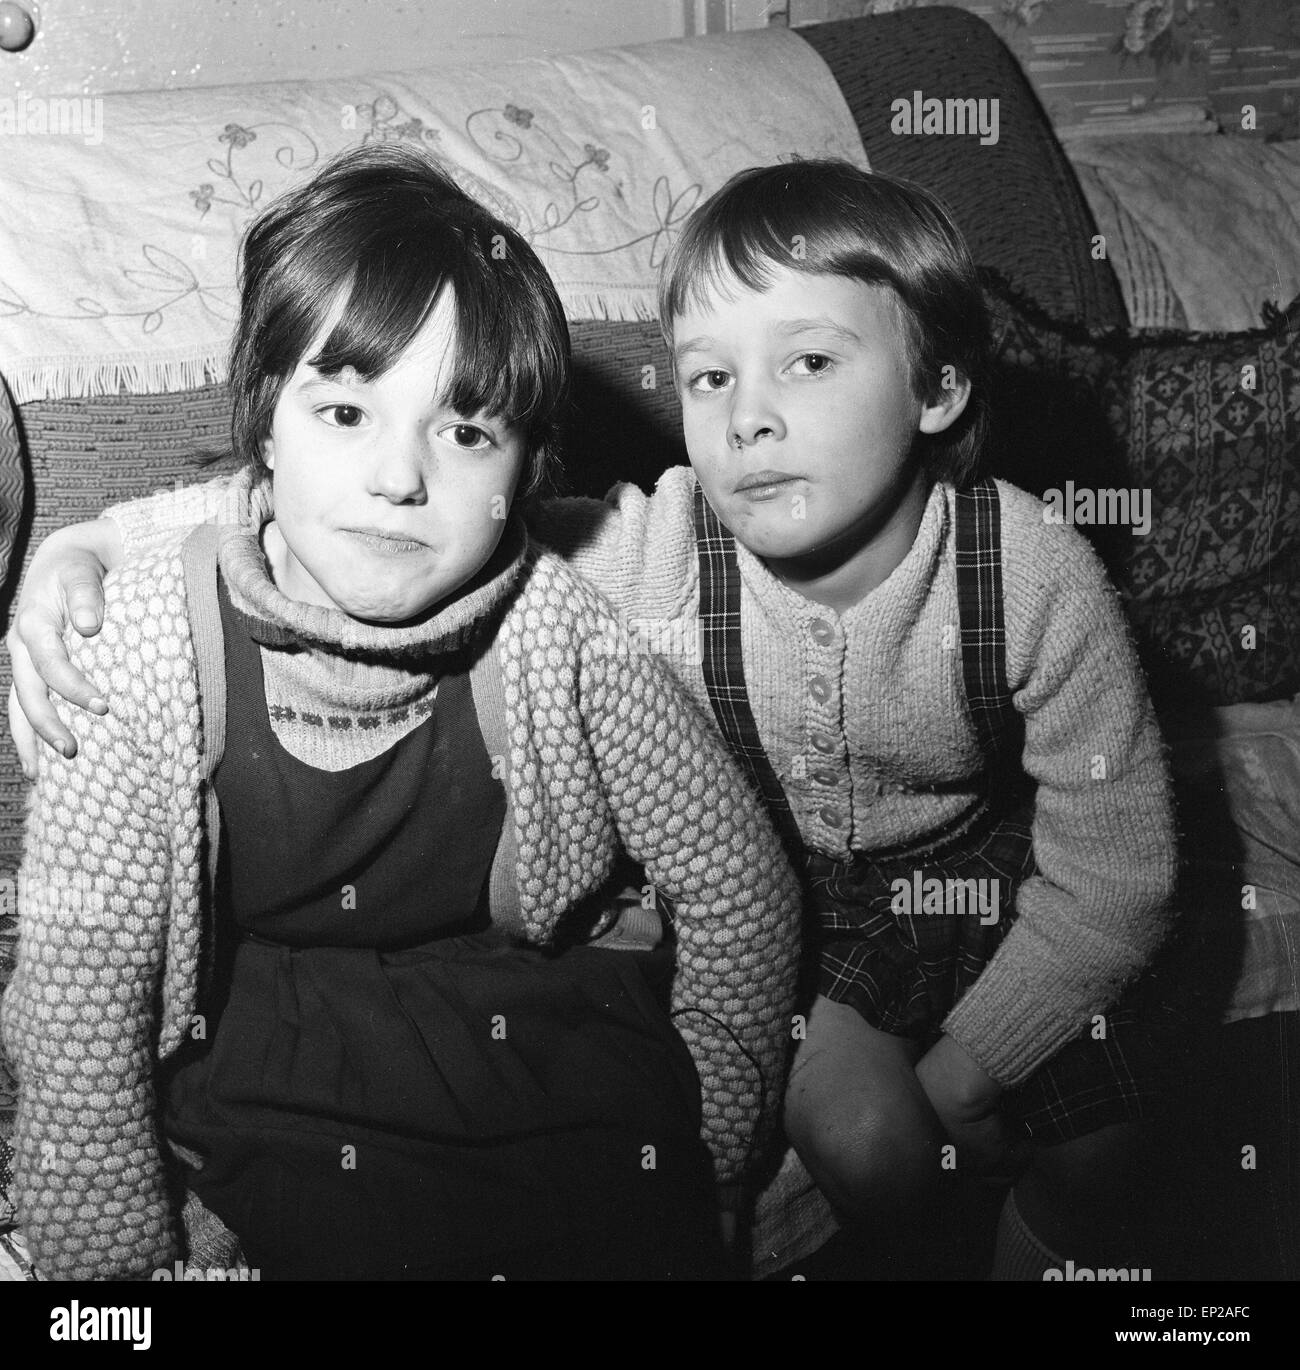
868 1156
859 1119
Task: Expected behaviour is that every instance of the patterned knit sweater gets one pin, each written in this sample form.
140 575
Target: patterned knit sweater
864 718
597 746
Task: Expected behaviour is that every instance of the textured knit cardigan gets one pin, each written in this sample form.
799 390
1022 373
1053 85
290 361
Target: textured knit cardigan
864 718
121 851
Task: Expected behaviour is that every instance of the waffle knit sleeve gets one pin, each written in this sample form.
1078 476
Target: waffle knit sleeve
80 1017
1100 904
685 812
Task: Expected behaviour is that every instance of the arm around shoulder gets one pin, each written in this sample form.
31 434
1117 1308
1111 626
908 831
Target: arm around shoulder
161 521
637 549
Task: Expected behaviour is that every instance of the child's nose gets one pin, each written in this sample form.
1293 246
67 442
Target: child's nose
398 472
754 415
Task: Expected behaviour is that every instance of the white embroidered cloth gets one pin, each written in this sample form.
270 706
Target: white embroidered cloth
118 243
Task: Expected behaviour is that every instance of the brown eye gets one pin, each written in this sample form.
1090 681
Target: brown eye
344 415
709 381
467 435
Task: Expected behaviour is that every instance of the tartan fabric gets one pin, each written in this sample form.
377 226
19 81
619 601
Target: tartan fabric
1093 1082
903 970
904 964
978 536
723 664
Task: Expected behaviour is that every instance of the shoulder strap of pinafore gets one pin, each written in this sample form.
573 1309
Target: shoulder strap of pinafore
983 627
983 643
724 665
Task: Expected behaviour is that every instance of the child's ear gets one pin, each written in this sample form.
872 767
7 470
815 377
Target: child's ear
953 395
268 454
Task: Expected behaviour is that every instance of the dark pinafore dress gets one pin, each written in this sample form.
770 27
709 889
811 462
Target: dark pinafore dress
899 966
395 1089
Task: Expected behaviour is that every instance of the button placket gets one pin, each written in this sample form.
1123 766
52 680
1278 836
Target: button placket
828 784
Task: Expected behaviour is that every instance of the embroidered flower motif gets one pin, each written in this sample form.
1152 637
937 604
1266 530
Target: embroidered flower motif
414 128
202 197
1023 12
521 118
597 156
1146 21
237 135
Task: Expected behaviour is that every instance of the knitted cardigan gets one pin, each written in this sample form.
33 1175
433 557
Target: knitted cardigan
121 848
864 718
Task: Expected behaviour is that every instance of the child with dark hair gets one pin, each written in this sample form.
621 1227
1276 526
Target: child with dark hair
333 850
932 687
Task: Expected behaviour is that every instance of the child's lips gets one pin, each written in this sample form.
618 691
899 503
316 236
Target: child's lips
765 485
387 543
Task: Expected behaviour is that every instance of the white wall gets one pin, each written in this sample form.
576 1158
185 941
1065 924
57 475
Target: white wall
90 47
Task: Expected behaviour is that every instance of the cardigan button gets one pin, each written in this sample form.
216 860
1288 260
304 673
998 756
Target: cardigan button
820 688
825 744
833 818
822 632
825 777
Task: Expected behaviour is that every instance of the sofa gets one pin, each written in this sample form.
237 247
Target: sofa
1200 430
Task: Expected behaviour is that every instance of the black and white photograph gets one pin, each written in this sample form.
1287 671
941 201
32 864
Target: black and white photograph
650 641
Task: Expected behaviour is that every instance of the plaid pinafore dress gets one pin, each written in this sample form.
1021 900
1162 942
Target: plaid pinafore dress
898 965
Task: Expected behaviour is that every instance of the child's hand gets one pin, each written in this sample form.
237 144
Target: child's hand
966 1099
62 586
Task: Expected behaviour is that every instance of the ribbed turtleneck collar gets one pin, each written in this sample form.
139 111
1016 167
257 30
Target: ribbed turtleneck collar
277 621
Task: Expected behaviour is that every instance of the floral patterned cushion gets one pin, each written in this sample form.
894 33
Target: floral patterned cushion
1204 431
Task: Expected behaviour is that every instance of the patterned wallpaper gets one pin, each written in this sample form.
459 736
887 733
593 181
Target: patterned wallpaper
1139 63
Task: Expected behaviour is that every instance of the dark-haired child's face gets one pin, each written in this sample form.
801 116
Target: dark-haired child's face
800 421
386 501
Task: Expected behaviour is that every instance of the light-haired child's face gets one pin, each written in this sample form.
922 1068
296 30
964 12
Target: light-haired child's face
799 413
386 501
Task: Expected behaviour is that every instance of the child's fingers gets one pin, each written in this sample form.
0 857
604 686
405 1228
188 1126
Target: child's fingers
84 595
24 736
40 663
